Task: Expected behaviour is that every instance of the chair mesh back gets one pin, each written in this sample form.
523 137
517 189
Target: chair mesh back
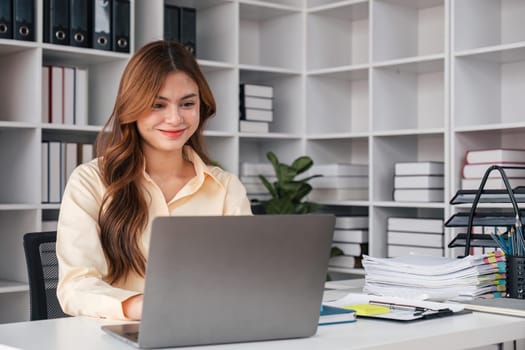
49 261
42 269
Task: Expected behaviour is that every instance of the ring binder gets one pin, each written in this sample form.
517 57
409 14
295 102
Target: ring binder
56 22
79 20
102 24
120 30
6 19
24 20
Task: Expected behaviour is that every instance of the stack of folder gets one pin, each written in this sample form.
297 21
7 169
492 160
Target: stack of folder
437 278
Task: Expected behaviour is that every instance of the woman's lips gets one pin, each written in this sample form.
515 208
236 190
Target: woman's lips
172 134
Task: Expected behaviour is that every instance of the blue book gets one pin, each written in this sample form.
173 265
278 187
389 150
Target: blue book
335 315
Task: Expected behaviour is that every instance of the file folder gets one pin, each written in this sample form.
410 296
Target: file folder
24 15
188 29
121 13
79 23
6 19
171 22
102 24
56 21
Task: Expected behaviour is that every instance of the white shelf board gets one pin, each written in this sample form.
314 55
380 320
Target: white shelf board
17 125
76 56
217 133
8 206
351 10
352 72
10 46
491 127
419 4
498 54
253 10
393 204
271 135
345 203
12 287
338 136
418 64
72 127
401 132
210 66
276 72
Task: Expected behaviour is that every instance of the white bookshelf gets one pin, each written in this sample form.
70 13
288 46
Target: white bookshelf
363 81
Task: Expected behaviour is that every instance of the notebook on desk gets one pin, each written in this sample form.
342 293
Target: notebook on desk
226 279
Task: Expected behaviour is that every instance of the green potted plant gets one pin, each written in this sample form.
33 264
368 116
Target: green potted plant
288 193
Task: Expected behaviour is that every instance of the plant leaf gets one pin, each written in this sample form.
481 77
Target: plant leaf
302 164
268 186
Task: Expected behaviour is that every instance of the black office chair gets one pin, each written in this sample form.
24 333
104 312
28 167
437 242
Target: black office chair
42 269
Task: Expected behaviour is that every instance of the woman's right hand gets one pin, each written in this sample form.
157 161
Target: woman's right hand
132 307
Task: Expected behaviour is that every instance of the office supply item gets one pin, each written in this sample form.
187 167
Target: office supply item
79 19
81 96
101 24
418 195
491 184
6 19
253 126
121 25
256 102
253 114
476 171
336 315
56 83
188 29
418 181
257 90
233 279
42 270
428 225
504 306
497 155
419 168
24 17
395 308
56 22
434 277
171 22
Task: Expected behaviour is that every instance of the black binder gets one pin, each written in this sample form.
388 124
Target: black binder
121 13
79 22
56 21
188 29
6 19
102 24
24 15
171 22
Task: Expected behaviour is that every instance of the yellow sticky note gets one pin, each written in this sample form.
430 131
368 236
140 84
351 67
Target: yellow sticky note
368 309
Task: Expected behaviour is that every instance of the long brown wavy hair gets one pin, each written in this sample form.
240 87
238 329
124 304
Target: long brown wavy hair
123 214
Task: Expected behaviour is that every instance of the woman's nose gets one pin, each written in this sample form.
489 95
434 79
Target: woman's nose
173 115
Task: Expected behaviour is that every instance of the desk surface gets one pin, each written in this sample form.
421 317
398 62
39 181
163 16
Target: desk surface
457 332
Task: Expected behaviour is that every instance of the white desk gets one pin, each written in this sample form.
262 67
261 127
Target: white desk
457 332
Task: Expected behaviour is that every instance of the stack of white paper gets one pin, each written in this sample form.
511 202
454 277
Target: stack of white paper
438 278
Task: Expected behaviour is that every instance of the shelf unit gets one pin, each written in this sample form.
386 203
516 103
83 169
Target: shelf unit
363 81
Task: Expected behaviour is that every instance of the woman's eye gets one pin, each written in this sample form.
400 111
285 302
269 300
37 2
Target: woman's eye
188 104
157 106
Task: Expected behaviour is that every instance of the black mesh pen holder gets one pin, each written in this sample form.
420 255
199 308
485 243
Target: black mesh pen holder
515 276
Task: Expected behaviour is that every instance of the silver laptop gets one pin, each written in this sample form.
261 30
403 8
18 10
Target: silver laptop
225 279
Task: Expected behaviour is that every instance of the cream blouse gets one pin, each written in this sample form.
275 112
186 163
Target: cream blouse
82 286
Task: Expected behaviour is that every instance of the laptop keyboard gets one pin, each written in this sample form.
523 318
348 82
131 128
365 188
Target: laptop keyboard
133 336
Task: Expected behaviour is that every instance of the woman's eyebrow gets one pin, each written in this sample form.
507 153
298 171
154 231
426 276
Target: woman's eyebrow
190 95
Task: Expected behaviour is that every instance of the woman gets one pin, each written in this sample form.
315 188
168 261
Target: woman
151 163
